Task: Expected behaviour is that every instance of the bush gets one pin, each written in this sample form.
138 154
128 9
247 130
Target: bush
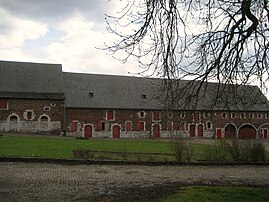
258 152
83 154
180 149
236 150
217 152
249 150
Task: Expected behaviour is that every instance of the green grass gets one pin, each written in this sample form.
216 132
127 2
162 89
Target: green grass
220 194
62 147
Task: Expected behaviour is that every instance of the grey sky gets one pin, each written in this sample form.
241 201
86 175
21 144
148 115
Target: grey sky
59 31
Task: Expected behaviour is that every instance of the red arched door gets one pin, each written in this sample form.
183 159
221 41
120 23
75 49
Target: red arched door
116 131
230 131
247 132
192 130
156 131
200 130
88 131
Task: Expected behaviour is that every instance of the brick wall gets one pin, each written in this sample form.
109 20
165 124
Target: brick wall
208 121
29 113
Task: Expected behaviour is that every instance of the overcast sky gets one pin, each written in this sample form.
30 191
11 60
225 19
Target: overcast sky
66 32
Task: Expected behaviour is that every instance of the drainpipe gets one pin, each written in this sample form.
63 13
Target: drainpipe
64 120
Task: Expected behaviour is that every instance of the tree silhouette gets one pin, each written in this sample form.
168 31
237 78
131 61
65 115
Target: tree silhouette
196 40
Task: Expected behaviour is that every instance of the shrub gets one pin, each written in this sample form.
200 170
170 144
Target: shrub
235 148
123 154
258 152
180 149
83 154
104 155
217 152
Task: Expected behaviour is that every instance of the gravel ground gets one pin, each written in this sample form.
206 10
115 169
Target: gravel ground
54 182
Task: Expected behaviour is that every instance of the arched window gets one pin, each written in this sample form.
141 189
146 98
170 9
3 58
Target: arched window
44 118
13 119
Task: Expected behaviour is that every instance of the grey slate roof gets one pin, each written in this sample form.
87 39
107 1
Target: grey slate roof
123 92
47 81
31 80
108 91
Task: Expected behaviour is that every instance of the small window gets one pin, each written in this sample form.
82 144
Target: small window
170 125
206 115
13 119
144 96
208 125
90 94
233 115
128 125
29 115
109 115
267 116
259 115
44 119
3 104
156 116
224 115
242 115
53 104
170 115
46 109
141 114
182 115
251 115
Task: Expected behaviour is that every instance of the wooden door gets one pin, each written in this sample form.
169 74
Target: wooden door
192 130
219 133
88 131
116 131
156 131
200 130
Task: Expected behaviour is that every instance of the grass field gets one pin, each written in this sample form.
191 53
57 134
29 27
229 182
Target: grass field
62 147
220 194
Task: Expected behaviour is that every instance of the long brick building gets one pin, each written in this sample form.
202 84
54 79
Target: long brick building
40 98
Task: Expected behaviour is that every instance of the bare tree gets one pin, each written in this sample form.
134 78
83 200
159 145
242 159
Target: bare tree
199 40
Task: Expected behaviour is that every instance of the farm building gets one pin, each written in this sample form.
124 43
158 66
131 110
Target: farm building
40 98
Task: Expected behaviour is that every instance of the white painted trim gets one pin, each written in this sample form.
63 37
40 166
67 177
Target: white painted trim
114 113
139 114
83 128
13 114
131 126
39 118
115 124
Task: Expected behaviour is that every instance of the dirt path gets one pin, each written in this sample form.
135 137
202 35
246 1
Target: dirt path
53 182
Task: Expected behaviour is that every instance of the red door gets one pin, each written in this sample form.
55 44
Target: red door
218 133
192 130
265 133
88 131
200 130
116 131
247 132
156 131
